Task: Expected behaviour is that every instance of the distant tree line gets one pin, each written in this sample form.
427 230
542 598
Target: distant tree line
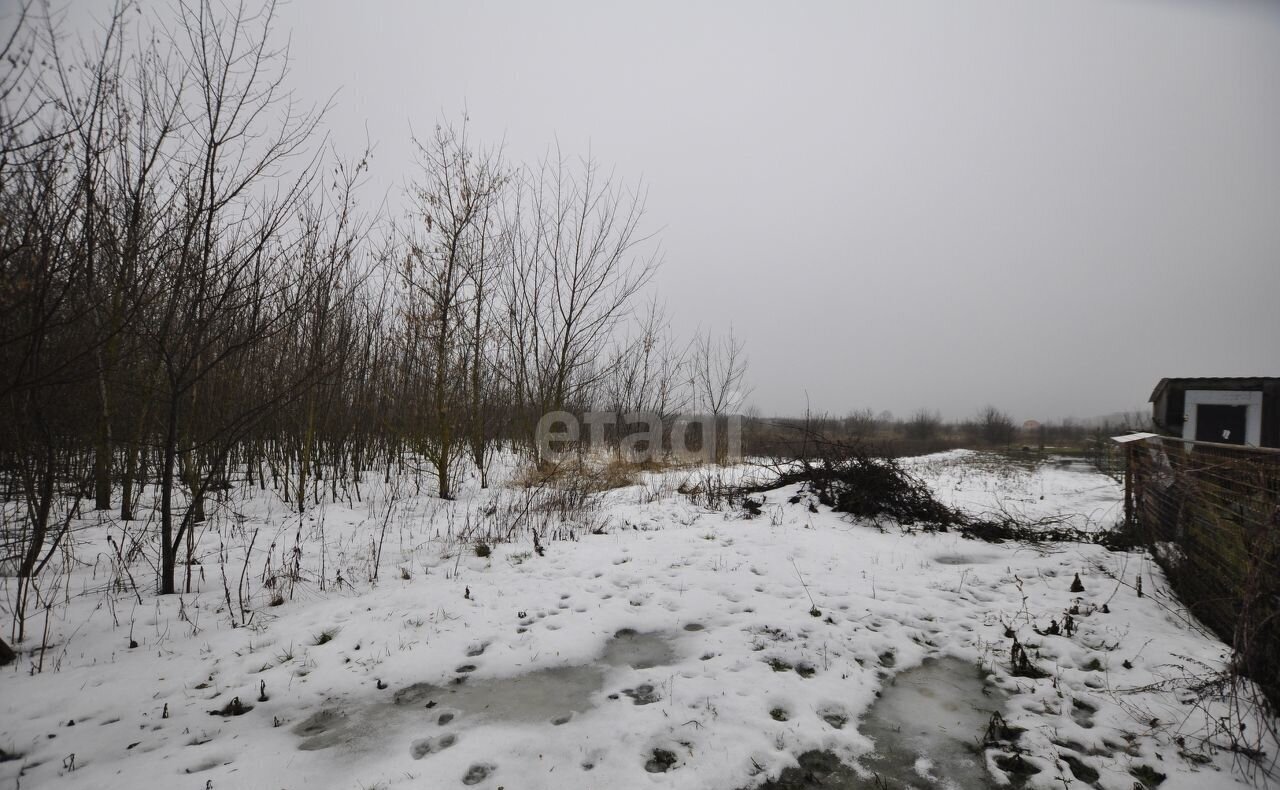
924 431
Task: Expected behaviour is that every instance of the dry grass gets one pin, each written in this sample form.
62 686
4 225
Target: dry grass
591 474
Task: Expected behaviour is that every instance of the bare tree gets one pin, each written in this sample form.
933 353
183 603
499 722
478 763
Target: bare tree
646 374
995 426
42 336
231 287
861 423
25 92
147 113
923 425
485 415
87 96
45 347
448 272
325 332
718 372
576 263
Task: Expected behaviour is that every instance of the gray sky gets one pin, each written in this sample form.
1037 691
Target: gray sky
1042 205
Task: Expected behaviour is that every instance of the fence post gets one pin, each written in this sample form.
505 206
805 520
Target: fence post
1128 488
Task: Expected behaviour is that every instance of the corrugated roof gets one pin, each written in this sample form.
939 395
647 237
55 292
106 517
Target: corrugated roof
1211 380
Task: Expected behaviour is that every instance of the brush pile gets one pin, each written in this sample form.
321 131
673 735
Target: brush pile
864 486
849 478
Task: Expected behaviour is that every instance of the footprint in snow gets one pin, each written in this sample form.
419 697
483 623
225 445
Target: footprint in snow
425 746
478 773
834 716
660 761
205 765
1082 712
643 694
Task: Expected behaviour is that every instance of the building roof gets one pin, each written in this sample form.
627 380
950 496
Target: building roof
1214 382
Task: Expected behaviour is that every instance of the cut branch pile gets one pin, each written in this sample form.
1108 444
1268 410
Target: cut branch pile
848 478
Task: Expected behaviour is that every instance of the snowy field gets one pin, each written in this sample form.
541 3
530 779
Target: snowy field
985 484
655 643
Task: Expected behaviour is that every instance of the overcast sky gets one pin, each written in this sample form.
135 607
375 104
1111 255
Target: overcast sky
1042 205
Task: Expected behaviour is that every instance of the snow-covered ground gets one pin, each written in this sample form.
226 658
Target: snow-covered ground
985 484
681 647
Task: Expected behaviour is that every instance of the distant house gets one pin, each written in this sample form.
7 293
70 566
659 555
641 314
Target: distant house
1226 410
1031 426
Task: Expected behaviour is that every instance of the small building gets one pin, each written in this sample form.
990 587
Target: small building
1234 410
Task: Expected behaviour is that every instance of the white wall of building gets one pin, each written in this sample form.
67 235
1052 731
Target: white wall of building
1252 417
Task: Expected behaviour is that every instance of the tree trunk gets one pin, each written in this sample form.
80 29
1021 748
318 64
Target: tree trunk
168 550
102 458
126 483
304 459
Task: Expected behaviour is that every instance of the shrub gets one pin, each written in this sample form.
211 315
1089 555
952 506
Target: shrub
923 425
